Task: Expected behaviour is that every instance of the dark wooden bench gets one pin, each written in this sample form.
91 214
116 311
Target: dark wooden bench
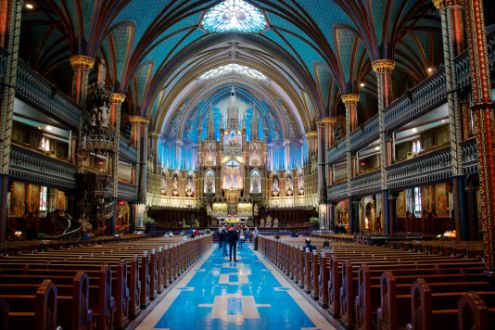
477 310
367 300
73 307
400 300
37 310
101 300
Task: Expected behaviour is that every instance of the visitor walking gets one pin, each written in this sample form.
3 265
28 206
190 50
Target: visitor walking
255 238
233 237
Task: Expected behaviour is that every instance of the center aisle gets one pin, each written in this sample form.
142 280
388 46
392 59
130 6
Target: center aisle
248 294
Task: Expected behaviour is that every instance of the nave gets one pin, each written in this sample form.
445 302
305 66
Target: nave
248 294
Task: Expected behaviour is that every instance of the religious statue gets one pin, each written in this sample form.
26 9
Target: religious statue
262 222
300 184
275 223
189 186
268 222
175 185
209 184
275 187
163 185
289 186
255 188
104 112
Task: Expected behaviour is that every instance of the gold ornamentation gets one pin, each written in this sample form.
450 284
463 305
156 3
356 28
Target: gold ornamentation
312 134
380 66
328 120
138 119
82 61
118 98
441 4
350 98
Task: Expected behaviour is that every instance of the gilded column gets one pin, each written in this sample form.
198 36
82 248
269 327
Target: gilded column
350 101
483 110
383 70
116 99
82 65
10 34
452 34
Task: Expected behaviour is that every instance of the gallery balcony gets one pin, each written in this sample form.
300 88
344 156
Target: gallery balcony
29 165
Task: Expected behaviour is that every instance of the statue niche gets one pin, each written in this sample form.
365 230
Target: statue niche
209 183
189 186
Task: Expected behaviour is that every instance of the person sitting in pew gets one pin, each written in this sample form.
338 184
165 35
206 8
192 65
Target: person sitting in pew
326 246
308 247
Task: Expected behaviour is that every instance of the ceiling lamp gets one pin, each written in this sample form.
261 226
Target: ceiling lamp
234 16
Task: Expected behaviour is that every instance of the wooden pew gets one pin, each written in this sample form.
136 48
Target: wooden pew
477 310
403 302
368 300
100 299
349 287
73 299
37 311
4 314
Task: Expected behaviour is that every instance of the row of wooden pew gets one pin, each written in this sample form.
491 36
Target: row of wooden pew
96 287
453 247
368 287
22 247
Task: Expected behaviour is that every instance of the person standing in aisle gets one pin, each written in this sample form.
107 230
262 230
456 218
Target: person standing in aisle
233 237
220 237
225 239
255 238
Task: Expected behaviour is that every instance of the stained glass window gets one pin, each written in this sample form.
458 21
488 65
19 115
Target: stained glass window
233 68
234 16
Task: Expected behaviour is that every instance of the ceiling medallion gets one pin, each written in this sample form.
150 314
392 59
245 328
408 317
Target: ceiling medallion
234 16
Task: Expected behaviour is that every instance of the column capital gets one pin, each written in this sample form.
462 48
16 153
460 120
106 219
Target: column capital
117 97
154 134
441 4
350 98
82 61
311 134
328 120
384 65
138 119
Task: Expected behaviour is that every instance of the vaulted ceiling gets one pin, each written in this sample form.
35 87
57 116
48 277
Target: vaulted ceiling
312 51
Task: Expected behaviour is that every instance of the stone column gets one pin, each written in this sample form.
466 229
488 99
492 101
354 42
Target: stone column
483 110
10 31
453 37
350 101
322 189
116 99
82 65
139 138
383 70
154 138
286 154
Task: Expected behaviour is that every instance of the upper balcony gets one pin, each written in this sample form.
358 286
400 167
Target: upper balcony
426 96
30 165
45 96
